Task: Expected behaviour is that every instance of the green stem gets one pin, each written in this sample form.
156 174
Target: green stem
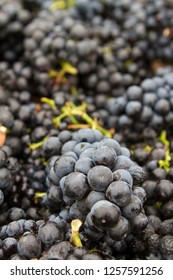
57 120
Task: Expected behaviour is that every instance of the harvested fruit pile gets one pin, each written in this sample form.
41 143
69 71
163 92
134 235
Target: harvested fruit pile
86 116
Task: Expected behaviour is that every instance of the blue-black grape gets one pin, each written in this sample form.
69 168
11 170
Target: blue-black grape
105 155
133 208
123 175
1 197
64 165
9 246
83 165
105 214
5 178
119 192
49 234
29 246
99 177
59 251
76 186
93 197
120 230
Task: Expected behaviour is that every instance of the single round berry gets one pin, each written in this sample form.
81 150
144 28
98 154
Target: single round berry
99 177
119 192
76 186
105 214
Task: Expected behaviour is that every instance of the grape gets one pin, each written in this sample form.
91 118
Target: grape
166 245
111 143
164 189
80 147
92 256
105 214
99 177
119 192
52 146
141 194
3 158
123 162
5 178
83 165
75 185
49 234
120 230
64 165
91 229
139 222
123 175
1 197
9 246
93 197
14 229
133 208
54 198
59 251
29 246
6 117
104 156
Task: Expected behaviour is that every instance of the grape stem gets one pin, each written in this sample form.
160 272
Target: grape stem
75 238
72 111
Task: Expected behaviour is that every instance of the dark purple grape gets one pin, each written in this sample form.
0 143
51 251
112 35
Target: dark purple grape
99 177
123 175
29 246
83 165
49 234
105 156
139 222
133 208
105 214
76 186
1 197
59 251
93 197
9 246
64 165
120 230
119 192
166 245
5 178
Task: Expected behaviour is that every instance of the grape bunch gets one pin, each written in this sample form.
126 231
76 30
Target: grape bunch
25 239
12 22
8 169
94 179
143 111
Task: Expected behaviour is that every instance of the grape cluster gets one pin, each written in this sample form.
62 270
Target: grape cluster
24 239
12 22
98 183
143 111
102 69
8 169
108 51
